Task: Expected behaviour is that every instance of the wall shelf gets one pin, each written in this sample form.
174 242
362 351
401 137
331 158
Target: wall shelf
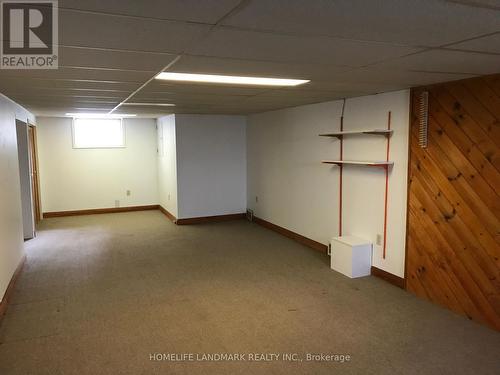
384 132
383 164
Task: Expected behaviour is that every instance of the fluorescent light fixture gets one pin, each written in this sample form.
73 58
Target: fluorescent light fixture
233 80
152 104
98 115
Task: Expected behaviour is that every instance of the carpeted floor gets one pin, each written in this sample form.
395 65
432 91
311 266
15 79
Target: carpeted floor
101 294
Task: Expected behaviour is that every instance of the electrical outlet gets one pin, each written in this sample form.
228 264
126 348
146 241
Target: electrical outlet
250 215
128 193
117 203
379 240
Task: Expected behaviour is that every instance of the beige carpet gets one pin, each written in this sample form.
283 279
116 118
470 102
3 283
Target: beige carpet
100 294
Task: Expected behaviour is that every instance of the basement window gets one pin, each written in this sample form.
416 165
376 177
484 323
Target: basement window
98 133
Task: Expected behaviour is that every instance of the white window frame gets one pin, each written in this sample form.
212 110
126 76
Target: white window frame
122 126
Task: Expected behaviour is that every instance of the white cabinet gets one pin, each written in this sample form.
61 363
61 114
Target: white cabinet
351 256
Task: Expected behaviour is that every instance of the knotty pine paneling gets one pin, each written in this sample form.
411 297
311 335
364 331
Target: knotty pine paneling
453 246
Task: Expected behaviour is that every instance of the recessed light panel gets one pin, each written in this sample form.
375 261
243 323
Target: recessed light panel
230 80
151 104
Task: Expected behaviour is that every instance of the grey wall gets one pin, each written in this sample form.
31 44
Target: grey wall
211 165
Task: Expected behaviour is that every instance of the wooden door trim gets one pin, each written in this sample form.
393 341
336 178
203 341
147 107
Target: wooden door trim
35 187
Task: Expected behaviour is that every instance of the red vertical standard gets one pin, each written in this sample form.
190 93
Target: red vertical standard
340 173
386 185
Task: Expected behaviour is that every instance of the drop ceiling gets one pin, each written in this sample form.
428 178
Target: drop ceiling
110 51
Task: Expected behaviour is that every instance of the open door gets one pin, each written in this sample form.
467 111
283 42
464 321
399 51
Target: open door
35 192
28 177
24 157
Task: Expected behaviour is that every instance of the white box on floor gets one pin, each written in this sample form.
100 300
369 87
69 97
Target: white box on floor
351 256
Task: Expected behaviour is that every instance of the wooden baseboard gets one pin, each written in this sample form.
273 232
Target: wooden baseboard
210 219
95 211
10 287
200 220
294 236
165 212
389 277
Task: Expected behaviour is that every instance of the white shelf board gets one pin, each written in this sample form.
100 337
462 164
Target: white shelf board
385 132
368 163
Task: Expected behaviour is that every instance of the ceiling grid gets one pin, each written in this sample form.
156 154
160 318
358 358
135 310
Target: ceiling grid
111 51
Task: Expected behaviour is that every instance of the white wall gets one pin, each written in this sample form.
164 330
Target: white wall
167 164
76 179
11 222
211 165
293 189
299 193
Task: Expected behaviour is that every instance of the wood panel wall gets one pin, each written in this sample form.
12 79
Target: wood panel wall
453 241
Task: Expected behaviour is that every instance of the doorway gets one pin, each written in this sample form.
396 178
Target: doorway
28 177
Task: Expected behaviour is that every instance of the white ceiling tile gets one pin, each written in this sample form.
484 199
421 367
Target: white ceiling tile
206 11
226 42
77 73
263 103
76 105
492 4
485 44
66 99
162 88
124 60
381 77
62 92
297 93
74 84
355 86
56 98
215 65
44 111
187 99
447 61
65 107
410 22
68 107
127 33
